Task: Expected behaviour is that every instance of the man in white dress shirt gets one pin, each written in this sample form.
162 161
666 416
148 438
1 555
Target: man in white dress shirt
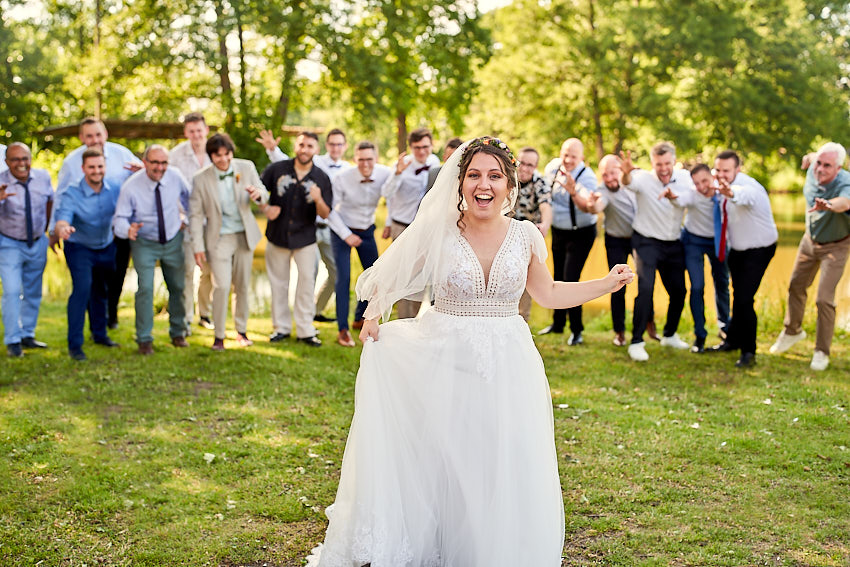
656 244
752 237
189 158
698 240
404 190
3 166
120 164
356 194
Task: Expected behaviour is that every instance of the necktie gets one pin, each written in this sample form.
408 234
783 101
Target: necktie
160 216
366 180
720 223
423 168
224 176
28 212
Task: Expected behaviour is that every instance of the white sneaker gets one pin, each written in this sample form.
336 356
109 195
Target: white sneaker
675 342
784 341
820 360
637 352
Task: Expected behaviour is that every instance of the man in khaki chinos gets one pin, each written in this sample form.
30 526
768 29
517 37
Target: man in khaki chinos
824 246
224 231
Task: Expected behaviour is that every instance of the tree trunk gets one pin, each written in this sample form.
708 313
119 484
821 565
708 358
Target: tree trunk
401 128
224 65
597 122
243 94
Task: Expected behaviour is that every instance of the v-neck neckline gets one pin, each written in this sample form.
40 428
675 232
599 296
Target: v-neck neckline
486 277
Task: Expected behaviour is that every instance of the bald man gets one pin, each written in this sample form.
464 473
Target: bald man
151 213
573 226
26 198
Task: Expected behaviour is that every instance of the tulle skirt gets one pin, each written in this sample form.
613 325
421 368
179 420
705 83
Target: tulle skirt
450 460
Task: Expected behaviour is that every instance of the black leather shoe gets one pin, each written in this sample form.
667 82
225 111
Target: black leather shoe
107 342
575 339
277 337
319 318
310 341
30 342
78 355
722 347
699 345
112 325
747 359
15 350
550 329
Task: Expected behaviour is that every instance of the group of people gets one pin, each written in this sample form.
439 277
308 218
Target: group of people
670 219
194 206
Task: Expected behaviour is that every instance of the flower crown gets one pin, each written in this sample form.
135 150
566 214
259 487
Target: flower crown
495 142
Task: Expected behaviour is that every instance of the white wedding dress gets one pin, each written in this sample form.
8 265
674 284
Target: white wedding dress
450 461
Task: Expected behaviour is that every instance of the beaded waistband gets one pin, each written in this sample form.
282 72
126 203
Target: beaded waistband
483 307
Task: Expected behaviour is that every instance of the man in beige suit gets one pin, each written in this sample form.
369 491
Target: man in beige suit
222 224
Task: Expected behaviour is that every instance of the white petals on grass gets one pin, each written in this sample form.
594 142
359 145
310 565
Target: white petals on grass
695 426
767 402
209 458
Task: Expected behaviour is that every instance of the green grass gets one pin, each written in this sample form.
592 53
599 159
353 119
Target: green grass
191 457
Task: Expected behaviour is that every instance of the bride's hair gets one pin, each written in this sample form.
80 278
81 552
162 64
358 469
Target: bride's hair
496 148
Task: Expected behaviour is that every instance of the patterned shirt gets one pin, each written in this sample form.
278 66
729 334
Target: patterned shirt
296 225
529 198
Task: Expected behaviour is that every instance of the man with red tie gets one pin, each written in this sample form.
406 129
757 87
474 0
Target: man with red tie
751 236
404 191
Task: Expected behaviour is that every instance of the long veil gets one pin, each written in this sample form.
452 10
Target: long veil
414 259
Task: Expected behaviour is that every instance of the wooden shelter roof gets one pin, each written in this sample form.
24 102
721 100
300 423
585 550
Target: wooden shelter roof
144 130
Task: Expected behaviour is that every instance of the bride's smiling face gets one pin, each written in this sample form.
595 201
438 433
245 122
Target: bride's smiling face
485 187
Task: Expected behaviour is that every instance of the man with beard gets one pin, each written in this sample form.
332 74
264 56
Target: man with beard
656 243
298 192
84 221
120 165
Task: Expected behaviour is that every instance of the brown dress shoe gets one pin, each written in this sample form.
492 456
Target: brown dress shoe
179 342
218 345
652 332
357 324
344 338
146 348
243 339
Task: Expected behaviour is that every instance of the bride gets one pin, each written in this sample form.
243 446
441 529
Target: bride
451 460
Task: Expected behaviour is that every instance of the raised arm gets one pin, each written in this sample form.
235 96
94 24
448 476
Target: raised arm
550 294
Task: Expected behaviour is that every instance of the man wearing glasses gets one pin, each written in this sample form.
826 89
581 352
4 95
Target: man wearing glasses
26 198
404 191
533 203
151 213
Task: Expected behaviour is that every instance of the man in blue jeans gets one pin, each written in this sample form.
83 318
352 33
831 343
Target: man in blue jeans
26 198
84 221
356 193
698 240
151 212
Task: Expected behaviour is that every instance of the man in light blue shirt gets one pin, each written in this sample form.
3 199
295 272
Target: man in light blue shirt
120 164
84 221
3 158
151 212
573 226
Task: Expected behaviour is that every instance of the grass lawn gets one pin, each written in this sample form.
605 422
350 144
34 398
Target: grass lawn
191 457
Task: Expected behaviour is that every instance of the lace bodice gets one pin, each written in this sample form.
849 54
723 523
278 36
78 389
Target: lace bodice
463 289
